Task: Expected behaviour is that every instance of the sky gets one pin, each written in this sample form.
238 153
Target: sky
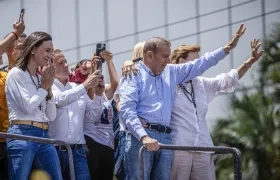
77 25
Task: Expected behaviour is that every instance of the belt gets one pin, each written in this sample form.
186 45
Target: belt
42 125
159 128
73 147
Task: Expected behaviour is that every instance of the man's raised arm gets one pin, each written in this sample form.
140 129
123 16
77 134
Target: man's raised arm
188 71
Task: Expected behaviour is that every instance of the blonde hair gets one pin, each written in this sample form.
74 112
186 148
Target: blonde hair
182 51
138 50
56 51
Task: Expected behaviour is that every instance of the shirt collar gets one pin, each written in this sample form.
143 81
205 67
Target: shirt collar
142 65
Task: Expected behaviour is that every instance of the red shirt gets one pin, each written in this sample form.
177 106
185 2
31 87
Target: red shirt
77 77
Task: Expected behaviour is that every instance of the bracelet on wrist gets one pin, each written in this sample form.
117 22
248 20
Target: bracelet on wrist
15 34
246 64
49 96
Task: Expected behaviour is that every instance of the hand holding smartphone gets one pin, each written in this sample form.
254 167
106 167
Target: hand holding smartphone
19 26
99 48
21 15
99 67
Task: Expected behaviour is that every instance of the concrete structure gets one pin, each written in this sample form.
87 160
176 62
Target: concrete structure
77 25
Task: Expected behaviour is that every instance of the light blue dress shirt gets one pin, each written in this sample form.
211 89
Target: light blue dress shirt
151 97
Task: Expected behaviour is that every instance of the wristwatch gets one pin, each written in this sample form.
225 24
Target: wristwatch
49 96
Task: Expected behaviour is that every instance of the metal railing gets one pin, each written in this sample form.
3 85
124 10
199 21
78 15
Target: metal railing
217 149
45 141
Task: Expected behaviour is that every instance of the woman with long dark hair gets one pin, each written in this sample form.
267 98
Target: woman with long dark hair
31 107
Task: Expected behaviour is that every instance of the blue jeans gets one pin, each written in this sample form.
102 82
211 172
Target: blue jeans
119 153
23 155
157 164
80 164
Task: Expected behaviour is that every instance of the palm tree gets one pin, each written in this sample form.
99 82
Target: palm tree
254 123
271 61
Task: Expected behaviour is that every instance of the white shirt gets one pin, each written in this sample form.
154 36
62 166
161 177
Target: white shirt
73 105
117 98
102 132
189 129
24 99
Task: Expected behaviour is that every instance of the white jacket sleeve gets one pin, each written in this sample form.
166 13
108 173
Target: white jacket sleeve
225 83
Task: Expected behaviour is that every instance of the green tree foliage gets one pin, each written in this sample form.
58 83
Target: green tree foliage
254 123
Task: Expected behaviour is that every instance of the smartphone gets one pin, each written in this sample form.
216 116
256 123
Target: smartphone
21 15
99 66
99 48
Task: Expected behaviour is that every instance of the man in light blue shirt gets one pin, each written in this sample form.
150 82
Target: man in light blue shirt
148 96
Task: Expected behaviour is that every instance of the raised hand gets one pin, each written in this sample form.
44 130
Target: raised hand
48 77
255 45
93 80
19 27
93 63
107 55
128 68
235 38
255 56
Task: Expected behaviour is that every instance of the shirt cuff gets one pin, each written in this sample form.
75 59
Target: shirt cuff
235 76
234 73
220 54
140 133
42 92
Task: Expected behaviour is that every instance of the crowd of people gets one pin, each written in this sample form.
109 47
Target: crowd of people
160 98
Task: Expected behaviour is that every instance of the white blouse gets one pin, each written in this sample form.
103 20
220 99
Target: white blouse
25 101
189 128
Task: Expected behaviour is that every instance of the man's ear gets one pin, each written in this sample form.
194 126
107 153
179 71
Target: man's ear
150 54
